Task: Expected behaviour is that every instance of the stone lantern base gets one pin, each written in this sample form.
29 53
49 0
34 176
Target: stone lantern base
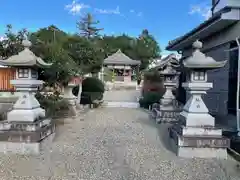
165 115
26 137
71 99
198 141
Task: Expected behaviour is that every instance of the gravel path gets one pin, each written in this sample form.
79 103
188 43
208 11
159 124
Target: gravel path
113 144
122 95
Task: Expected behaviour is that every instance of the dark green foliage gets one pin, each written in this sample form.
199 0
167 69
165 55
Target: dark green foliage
92 89
73 54
13 42
85 53
92 84
153 82
52 103
48 43
152 76
90 97
149 98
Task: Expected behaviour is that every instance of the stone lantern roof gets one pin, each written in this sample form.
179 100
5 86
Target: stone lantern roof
198 60
25 58
119 58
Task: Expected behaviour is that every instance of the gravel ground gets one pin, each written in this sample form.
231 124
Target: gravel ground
113 144
122 95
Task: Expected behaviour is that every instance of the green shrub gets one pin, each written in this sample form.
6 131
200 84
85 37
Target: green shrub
149 98
52 103
153 82
92 84
92 89
153 76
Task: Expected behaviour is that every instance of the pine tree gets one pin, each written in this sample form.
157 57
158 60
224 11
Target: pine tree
87 26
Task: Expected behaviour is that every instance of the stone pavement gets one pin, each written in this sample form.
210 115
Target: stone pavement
113 144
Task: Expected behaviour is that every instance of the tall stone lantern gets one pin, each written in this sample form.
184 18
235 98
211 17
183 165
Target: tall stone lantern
196 134
167 111
26 126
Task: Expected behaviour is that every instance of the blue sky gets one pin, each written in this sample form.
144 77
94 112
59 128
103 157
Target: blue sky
165 20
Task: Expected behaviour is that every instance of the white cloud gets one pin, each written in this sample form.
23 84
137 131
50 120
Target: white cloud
109 11
139 14
75 7
202 10
2 38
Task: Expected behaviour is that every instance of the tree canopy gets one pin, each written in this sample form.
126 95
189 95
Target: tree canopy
78 53
87 26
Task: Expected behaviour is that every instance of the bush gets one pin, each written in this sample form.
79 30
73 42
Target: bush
92 89
52 103
89 97
153 76
92 84
149 98
153 82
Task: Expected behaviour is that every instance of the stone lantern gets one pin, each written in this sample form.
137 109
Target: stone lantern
196 134
167 111
26 126
68 95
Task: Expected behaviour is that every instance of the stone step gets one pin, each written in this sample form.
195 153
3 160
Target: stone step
121 104
197 130
198 141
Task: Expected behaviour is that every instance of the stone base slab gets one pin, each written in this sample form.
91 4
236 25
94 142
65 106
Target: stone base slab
199 146
24 126
199 141
26 136
26 132
26 148
197 131
188 152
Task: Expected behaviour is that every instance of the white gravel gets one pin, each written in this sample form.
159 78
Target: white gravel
122 95
113 144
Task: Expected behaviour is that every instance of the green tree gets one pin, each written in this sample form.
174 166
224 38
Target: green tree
48 44
12 43
85 53
87 26
146 49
